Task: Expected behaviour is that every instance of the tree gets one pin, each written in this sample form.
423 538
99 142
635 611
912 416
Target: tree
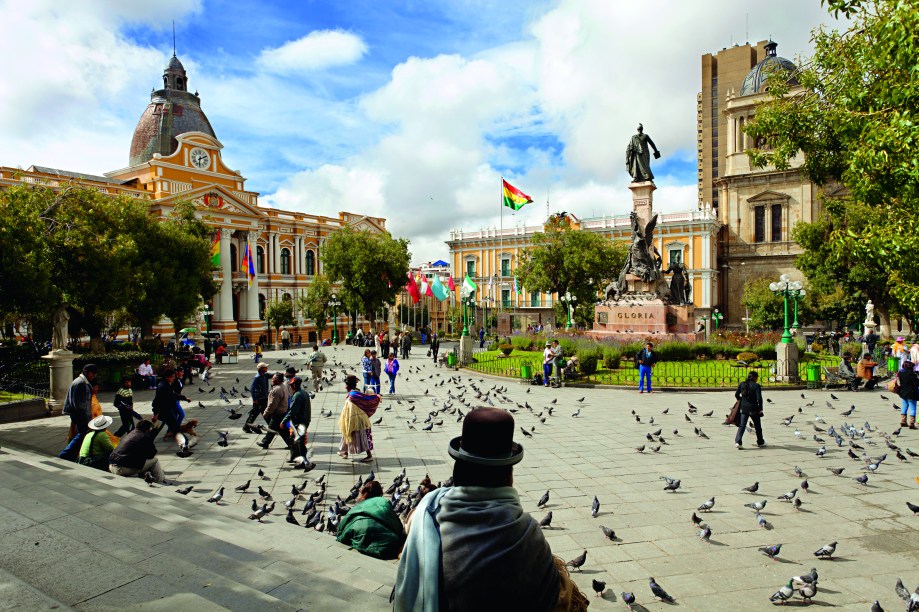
767 310
370 268
562 259
279 313
856 121
315 304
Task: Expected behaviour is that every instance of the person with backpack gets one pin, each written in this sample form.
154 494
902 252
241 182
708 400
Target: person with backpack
645 360
750 395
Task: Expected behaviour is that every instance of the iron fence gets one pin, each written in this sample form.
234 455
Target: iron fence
23 380
710 373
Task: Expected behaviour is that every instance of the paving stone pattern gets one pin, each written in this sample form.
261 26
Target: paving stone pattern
574 458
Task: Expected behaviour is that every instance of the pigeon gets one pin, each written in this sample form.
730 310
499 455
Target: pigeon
808 591
262 475
576 413
640 449
837 471
761 521
244 487
526 433
658 592
628 599
543 500
821 451
753 488
912 508
705 534
547 520
695 519
264 494
598 587
788 496
772 552
185 490
826 551
862 480
798 472
223 438
578 561
783 594
672 485
707 506
149 479
258 514
216 497
595 508
901 590
757 506
609 533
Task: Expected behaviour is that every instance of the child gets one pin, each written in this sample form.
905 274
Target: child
124 402
258 353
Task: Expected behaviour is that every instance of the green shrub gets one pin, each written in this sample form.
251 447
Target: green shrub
853 348
764 351
588 363
108 360
523 343
816 347
611 357
506 349
748 357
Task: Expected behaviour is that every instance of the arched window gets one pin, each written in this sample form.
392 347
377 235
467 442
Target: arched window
310 263
285 261
180 85
233 261
260 256
261 306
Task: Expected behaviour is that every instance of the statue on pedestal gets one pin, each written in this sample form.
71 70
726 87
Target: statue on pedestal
59 332
678 284
640 261
869 312
637 157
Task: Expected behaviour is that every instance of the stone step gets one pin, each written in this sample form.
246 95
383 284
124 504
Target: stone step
150 546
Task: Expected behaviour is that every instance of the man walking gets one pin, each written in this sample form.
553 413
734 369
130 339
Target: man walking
406 345
285 339
316 362
435 345
276 409
78 406
646 358
259 392
297 419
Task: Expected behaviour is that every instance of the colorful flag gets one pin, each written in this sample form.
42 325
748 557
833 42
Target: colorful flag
412 289
423 283
468 285
450 283
215 250
438 290
248 265
518 289
513 197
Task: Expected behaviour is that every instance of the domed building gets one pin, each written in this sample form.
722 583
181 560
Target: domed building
755 81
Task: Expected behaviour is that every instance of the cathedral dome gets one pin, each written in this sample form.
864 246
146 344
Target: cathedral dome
759 74
172 111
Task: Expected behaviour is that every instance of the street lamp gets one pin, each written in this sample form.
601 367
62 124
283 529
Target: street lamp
334 303
467 301
207 313
569 301
716 317
788 289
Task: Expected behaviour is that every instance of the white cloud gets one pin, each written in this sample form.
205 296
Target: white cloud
315 51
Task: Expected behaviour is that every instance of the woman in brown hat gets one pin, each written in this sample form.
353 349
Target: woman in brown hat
354 423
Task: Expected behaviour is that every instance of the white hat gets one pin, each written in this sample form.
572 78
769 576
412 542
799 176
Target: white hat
100 422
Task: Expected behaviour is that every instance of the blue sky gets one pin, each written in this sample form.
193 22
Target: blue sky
386 107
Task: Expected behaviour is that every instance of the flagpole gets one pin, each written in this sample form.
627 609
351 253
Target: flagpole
501 248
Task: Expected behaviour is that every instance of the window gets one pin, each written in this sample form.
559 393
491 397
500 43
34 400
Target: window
676 256
233 260
776 223
285 261
260 256
505 267
310 263
506 298
534 299
740 128
759 224
261 306
470 268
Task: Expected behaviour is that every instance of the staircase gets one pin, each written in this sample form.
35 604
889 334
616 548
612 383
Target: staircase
74 537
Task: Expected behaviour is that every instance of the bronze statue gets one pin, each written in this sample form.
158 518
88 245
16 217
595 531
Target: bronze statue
637 157
678 283
640 261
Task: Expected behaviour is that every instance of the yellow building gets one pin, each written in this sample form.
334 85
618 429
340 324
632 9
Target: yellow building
490 256
175 156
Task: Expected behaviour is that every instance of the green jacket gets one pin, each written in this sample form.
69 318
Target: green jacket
96 444
373 528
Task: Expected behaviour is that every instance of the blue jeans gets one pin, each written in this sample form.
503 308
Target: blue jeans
908 404
375 383
546 373
368 377
392 382
644 372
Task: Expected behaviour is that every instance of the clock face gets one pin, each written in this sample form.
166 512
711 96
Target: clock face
200 158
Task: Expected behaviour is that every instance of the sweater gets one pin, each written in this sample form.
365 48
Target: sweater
750 395
300 412
134 449
95 444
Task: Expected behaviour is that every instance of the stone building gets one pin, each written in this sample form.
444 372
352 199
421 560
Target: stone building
174 156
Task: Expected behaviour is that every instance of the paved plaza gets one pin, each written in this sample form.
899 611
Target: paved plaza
578 457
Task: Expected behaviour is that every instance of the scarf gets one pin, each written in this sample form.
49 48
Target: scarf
474 548
356 414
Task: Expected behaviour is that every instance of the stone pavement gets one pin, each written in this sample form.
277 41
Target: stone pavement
593 454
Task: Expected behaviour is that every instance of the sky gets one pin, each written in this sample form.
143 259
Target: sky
408 110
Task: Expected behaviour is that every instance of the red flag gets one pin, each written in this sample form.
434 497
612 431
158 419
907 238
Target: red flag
450 283
412 289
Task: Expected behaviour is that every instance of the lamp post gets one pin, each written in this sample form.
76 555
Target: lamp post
788 289
334 303
207 313
796 295
716 317
467 301
569 301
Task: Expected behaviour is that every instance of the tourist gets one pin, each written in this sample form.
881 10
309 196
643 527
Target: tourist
285 339
78 406
481 338
372 527
750 395
871 340
899 351
435 346
557 359
354 422
471 546
136 453
375 372
908 382
97 445
384 347
145 371
865 371
645 359
316 361
258 390
847 372
548 355
392 370
366 369
296 423
124 403
406 345
276 408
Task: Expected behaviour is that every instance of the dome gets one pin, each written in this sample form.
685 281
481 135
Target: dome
759 74
172 111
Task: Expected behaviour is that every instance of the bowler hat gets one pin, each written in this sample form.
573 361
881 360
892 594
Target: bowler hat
488 439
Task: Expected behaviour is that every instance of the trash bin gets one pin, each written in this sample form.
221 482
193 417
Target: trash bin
526 371
893 365
451 360
813 376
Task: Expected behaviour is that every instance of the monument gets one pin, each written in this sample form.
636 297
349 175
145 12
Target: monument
641 301
61 360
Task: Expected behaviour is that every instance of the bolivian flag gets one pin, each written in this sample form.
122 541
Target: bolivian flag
215 250
513 197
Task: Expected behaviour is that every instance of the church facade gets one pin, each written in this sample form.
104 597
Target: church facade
175 156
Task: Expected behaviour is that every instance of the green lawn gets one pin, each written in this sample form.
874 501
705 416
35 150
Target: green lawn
709 373
6 396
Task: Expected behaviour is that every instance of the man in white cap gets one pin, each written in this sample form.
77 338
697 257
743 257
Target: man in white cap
259 391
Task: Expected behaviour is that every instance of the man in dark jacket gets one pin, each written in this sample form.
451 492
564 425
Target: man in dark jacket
646 358
750 395
259 392
298 418
136 453
78 406
164 402
435 346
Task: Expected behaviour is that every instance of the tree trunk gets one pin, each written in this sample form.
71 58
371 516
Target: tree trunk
884 315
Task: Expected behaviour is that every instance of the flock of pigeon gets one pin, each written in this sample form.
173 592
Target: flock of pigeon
450 396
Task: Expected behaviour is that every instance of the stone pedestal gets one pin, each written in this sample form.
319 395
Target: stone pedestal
642 200
786 364
61 372
465 349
